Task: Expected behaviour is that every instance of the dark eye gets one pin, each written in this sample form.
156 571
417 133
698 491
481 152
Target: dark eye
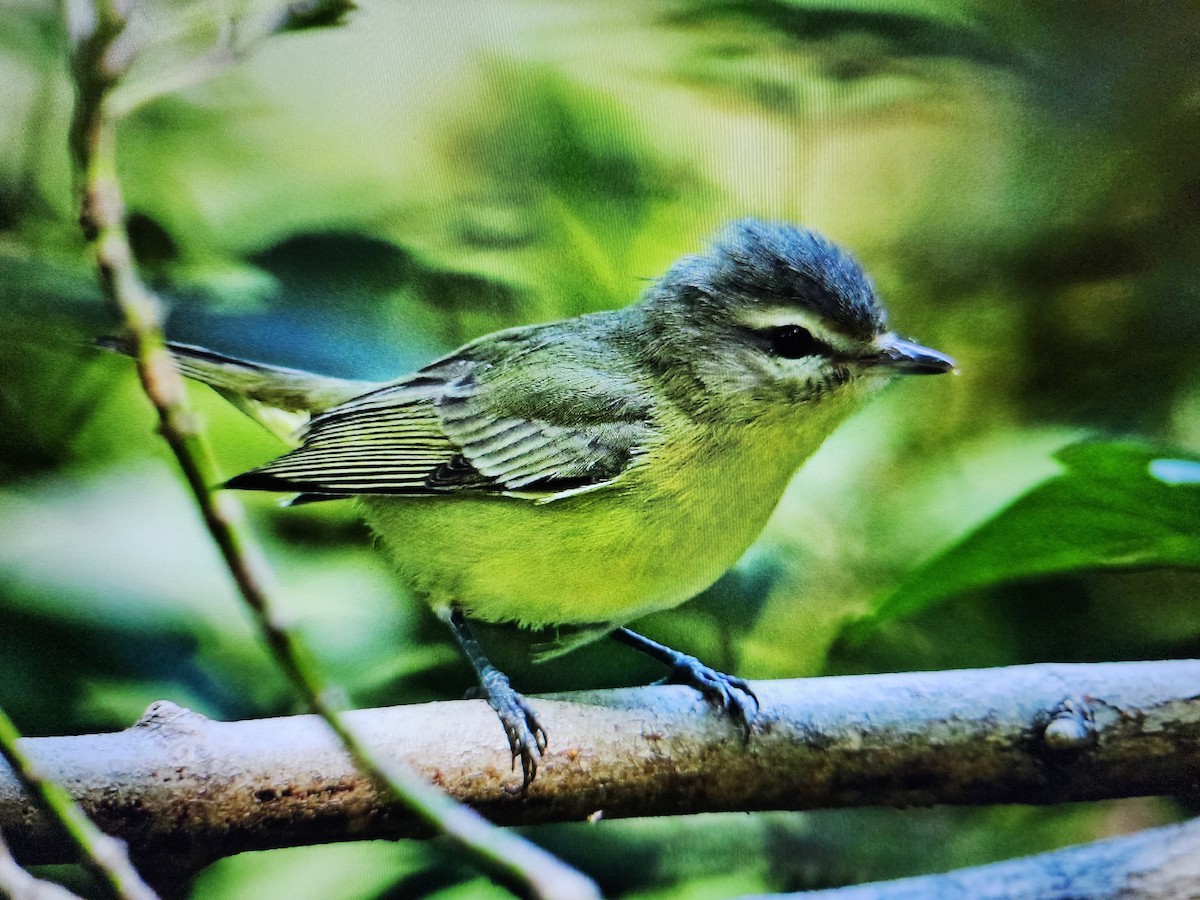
792 342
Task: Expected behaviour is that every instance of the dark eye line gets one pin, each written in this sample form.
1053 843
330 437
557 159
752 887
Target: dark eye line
791 342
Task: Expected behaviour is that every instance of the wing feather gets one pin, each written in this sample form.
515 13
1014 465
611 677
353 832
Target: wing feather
479 425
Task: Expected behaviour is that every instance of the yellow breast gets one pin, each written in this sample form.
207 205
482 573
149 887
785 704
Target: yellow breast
662 533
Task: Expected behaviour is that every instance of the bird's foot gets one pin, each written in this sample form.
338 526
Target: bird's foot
521 726
728 693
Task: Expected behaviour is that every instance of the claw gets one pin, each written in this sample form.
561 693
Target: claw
521 725
524 732
730 694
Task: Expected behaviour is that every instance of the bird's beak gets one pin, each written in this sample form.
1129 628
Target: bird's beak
909 358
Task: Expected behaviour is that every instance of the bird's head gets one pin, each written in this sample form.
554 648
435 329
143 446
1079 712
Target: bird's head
774 316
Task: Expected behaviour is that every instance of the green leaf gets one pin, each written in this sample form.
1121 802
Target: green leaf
1114 506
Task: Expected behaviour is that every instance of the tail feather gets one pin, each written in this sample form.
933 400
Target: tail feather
278 398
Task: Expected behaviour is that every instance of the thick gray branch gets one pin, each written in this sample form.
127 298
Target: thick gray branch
1156 864
179 785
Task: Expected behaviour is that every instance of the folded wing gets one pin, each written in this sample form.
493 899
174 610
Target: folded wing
512 425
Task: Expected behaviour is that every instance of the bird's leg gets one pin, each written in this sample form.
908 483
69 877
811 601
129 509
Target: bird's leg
726 692
525 733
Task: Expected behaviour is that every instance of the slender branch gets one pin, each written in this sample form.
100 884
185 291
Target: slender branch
1155 864
1029 734
529 869
104 855
236 39
17 884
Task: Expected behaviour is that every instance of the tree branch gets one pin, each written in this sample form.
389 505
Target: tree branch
1030 734
1155 864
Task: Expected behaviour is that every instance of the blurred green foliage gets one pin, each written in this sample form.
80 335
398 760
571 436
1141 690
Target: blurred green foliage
1020 178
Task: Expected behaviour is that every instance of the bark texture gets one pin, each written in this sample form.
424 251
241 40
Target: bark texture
182 787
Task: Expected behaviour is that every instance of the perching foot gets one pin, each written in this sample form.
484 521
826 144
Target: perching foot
728 693
521 726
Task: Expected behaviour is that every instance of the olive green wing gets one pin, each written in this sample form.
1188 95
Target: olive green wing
539 428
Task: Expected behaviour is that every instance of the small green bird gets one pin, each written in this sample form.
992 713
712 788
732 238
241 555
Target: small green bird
589 471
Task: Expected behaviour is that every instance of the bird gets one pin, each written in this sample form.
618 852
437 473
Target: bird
583 473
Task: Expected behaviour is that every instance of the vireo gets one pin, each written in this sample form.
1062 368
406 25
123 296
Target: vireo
589 471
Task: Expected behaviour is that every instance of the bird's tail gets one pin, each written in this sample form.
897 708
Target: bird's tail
278 398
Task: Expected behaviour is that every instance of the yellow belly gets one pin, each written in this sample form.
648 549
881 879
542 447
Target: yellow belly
660 535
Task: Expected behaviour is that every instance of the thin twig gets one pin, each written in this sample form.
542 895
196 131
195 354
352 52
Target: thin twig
236 39
104 855
17 884
529 869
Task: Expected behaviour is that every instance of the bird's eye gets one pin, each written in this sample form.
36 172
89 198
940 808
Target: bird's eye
792 342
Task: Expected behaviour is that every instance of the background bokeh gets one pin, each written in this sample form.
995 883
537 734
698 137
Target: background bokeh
1021 179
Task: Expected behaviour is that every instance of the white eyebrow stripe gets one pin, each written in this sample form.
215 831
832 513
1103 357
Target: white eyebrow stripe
764 317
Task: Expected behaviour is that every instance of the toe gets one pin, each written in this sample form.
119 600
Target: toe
526 737
730 694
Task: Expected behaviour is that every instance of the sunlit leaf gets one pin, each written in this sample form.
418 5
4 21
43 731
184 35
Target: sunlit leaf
1114 506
